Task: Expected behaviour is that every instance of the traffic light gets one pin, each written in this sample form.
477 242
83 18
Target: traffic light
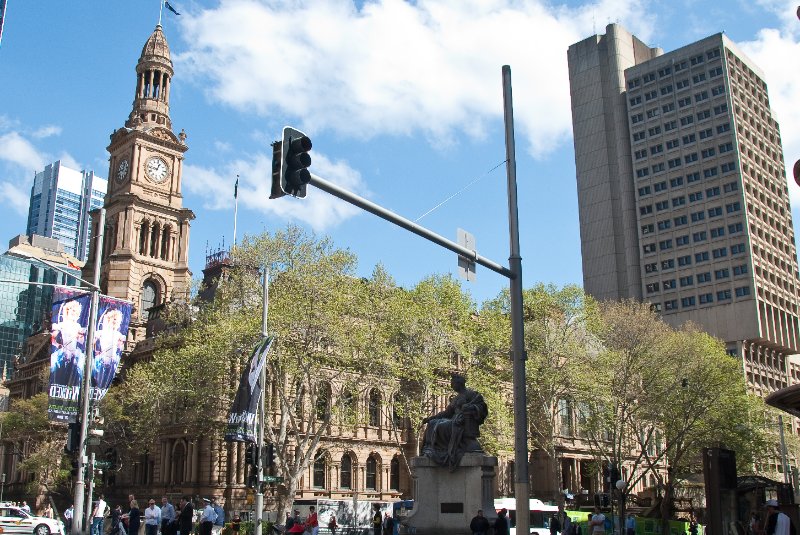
294 162
73 437
74 468
270 454
251 455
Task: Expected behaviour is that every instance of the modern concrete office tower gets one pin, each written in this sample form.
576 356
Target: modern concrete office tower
683 195
61 199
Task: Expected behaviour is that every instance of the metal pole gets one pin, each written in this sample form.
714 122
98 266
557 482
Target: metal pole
786 475
88 512
80 487
2 485
407 224
521 482
259 505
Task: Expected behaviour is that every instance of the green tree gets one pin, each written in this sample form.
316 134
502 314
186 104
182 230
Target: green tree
38 443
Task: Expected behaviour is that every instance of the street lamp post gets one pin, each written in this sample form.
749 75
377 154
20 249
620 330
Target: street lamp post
621 487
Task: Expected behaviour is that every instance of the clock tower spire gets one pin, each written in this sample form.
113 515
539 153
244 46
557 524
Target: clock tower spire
146 237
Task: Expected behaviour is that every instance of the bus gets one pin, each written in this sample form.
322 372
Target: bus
540 514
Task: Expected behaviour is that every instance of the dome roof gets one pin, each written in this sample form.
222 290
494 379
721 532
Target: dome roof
156 48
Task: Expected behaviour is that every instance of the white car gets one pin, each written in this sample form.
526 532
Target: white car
14 520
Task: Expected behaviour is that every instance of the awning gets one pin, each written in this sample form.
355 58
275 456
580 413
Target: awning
786 399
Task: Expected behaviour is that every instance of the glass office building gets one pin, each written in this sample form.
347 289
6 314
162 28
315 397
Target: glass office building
61 199
24 308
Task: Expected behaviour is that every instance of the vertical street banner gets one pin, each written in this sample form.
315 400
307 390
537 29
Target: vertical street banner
2 17
110 333
242 416
70 319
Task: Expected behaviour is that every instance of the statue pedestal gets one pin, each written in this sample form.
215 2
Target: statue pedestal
445 502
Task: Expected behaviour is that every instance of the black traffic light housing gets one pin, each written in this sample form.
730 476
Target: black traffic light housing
291 160
73 468
251 455
73 438
270 455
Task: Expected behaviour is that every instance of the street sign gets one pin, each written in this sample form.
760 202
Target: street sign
273 479
102 464
93 441
466 267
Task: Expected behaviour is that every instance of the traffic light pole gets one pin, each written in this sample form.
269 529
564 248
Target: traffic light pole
259 505
513 273
86 385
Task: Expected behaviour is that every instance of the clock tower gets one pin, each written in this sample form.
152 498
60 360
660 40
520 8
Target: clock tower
146 240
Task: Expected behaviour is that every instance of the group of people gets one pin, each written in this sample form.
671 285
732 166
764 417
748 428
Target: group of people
165 519
295 524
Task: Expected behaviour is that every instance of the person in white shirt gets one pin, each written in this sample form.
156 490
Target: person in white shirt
97 516
207 518
777 523
598 522
152 518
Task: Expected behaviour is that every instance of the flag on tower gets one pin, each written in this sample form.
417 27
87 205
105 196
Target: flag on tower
168 6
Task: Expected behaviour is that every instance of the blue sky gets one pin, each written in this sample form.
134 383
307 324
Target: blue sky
403 102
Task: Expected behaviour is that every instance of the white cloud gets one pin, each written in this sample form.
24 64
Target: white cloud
17 150
777 52
14 197
393 67
321 212
47 131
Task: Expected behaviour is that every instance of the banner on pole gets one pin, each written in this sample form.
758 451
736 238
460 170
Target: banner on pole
67 356
242 416
70 326
111 331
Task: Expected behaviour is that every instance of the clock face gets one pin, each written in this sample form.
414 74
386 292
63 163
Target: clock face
156 169
122 170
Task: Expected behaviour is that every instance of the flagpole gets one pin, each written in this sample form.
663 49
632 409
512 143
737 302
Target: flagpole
160 10
235 208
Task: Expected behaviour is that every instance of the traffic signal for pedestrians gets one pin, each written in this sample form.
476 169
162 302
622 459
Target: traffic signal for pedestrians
251 455
73 437
294 162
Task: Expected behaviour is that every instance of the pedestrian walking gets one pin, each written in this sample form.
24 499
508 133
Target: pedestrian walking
479 524
98 514
117 528
566 526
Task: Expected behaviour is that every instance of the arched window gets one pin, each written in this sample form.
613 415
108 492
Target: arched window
348 407
165 243
346 472
320 468
372 473
374 408
144 231
149 298
323 400
154 240
394 474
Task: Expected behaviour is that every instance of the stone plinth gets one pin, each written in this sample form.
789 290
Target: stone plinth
445 502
